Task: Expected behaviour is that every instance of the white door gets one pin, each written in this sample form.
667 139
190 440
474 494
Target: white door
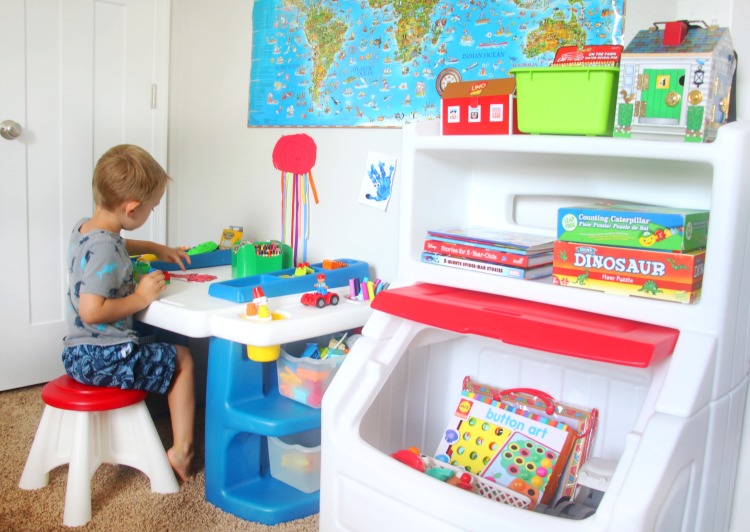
78 76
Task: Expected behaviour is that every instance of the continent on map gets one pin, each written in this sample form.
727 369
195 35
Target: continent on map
553 33
413 24
326 33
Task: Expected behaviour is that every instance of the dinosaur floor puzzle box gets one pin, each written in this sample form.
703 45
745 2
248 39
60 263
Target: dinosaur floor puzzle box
634 226
634 272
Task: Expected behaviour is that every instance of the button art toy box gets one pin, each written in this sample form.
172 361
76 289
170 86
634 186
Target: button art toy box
634 226
662 275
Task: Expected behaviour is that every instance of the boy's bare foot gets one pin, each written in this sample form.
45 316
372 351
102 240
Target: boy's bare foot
181 463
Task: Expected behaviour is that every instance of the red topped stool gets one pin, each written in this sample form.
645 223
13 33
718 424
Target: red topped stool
86 426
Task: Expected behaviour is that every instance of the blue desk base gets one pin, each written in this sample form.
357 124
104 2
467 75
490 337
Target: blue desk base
243 408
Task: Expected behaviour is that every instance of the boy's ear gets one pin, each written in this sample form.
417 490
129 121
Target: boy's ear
130 206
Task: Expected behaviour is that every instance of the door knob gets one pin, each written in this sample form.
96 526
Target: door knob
10 129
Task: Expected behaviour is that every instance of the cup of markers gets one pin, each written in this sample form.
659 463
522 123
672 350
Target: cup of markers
364 289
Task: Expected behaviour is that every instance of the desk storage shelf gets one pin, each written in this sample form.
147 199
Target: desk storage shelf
246 409
670 425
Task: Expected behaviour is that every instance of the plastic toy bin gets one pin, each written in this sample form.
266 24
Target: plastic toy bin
253 259
306 379
403 379
566 100
295 460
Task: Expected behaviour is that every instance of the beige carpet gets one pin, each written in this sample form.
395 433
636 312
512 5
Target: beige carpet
121 496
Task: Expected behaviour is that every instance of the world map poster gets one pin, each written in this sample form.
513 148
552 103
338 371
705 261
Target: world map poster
384 63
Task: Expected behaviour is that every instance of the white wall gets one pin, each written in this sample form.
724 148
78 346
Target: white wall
223 172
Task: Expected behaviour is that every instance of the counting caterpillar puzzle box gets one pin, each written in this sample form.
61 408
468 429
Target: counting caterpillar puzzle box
522 451
634 226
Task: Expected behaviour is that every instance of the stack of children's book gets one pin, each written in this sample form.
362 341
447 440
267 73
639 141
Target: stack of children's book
480 249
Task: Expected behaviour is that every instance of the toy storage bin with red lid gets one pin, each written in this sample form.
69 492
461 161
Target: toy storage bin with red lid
670 381
403 378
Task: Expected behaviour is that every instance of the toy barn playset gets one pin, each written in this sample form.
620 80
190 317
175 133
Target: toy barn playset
483 107
675 82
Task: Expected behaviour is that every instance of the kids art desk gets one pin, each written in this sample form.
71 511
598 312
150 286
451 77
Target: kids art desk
243 404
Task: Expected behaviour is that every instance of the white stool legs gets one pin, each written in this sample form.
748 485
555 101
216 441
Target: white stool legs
85 440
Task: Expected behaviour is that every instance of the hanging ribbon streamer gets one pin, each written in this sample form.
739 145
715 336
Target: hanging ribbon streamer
294 156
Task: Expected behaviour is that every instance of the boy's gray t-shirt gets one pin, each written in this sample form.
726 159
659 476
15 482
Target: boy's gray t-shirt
98 263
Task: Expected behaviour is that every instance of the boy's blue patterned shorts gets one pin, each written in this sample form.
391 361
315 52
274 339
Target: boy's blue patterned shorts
128 366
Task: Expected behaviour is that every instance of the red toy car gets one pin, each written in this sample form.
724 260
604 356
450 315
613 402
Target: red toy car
314 299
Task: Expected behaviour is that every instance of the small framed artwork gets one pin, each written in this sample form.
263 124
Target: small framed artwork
497 112
454 114
475 114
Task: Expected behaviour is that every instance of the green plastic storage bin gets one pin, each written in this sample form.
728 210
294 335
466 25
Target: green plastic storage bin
566 100
251 259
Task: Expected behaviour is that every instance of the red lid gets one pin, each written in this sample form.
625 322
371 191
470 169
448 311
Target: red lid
258 292
531 324
67 394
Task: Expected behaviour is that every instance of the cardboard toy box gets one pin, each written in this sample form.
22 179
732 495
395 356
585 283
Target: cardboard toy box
652 274
675 83
484 107
634 226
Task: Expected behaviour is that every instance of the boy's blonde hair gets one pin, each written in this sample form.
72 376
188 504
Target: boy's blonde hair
127 173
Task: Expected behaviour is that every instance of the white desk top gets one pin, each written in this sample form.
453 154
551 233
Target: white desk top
187 309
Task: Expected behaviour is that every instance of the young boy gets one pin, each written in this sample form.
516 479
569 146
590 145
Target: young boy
101 347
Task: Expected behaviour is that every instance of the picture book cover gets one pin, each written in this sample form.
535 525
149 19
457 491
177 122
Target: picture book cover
522 451
484 253
522 242
487 267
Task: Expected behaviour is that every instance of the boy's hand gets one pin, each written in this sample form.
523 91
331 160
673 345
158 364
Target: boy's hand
167 254
150 286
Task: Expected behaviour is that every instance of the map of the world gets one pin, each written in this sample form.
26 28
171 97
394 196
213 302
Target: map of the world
383 63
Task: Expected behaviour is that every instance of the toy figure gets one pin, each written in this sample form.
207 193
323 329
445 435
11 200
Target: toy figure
321 297
321 286
261 303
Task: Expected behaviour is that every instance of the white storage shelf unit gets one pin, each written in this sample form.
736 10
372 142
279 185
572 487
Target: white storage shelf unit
672 428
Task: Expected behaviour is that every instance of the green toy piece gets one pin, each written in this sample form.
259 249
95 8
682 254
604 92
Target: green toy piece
205 247
440 473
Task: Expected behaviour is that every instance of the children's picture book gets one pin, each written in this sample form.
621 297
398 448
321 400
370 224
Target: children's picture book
520 242
481 252
487 267
522 451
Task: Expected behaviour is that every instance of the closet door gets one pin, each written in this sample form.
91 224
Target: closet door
78 77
